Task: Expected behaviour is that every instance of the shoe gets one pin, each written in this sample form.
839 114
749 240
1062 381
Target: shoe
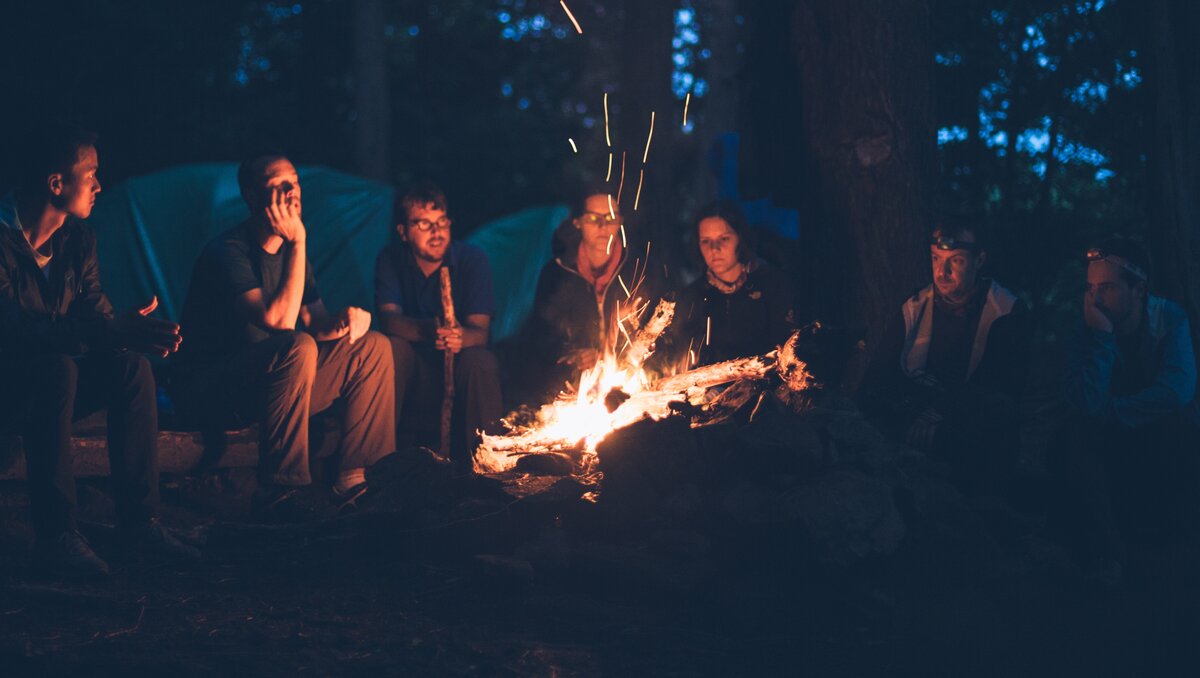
70 553
347 501
152 539
286 504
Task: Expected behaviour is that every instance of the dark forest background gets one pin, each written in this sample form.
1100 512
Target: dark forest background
1053 122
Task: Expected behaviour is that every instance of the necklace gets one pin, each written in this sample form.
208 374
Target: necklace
727 287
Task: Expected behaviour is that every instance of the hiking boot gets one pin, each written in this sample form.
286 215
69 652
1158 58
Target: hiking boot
285 504
69 553
347 501
154 540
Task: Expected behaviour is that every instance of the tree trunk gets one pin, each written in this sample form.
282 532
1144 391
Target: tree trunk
866 71
1174 235
372 98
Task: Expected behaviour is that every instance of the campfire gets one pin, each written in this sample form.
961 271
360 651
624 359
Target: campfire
617 392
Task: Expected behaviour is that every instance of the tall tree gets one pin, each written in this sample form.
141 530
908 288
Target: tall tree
372 96
1173 230
867 123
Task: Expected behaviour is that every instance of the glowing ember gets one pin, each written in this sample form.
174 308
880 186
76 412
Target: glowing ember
570 16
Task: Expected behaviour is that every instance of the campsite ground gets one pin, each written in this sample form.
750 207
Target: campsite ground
371 594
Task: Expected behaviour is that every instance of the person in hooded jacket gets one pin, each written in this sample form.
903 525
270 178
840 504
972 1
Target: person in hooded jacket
597 278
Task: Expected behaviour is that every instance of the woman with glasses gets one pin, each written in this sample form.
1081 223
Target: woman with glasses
598 276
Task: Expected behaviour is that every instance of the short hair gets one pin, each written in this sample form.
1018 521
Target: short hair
1131 251
418 195
731 213
51 149
251 168
956 227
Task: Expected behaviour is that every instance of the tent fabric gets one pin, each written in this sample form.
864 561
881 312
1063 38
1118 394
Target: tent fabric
518 246
150 230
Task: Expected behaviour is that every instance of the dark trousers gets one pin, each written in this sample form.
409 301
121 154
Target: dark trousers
283 380
43 394
981 444
477 398
1123 485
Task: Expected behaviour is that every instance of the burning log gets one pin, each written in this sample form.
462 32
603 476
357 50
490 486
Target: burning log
576 423
640 348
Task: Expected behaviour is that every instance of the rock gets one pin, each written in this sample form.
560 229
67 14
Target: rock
845 515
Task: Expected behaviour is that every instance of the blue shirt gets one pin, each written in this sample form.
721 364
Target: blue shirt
399 281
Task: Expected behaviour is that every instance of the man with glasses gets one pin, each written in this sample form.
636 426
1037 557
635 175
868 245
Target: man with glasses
408 301
951 368
1130 443
263 348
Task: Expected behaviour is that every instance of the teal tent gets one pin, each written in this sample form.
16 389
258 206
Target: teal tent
150 230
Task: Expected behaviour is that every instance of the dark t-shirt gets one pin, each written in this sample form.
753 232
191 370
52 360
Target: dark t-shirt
398 280
231 264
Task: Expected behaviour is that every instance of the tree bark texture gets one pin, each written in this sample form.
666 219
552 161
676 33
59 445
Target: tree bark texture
372 96
1174 234
866 113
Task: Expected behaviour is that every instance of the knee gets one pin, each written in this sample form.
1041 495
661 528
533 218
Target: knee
296 351
134 368
476 362
376 351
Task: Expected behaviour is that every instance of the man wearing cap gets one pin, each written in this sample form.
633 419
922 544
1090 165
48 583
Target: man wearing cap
951 367
1131 437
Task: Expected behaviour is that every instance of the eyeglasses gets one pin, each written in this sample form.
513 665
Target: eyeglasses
425 225
1097 254
594 219
947 243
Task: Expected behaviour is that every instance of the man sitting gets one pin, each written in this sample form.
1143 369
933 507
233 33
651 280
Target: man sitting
64 355
408 299
263 348
951 368
1130 442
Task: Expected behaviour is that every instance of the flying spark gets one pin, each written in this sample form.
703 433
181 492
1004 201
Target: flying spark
570 16
686 101
608 176
638 195
627 292
649 136
608 249
623 243
607 138
707 329
611 214
573 146
621 183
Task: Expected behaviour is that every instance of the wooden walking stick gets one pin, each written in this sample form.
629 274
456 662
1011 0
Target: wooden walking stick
447 363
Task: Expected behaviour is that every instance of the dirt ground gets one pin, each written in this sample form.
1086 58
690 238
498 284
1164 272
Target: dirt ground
537 587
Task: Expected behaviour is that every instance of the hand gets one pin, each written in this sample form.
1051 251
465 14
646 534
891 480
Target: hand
357 322
449 339
1094 316
135 330
923 429
283 215
581 358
